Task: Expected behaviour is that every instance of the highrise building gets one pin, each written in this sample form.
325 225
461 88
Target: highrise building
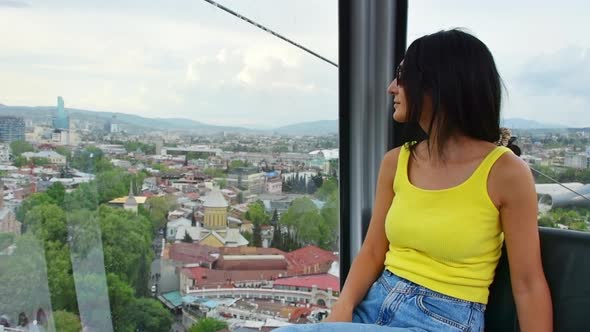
12 128
61 120
112 126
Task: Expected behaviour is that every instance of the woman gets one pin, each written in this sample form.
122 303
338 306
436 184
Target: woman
445 205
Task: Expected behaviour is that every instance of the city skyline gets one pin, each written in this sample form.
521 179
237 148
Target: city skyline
189 59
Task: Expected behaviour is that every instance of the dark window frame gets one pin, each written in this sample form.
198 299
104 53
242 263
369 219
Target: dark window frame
372 41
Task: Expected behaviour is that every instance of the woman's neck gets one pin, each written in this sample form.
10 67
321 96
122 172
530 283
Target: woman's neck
454 150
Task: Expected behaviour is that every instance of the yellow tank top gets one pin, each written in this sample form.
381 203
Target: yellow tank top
447 240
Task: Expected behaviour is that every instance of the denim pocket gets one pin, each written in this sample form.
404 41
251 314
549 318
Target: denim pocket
455 314
368 310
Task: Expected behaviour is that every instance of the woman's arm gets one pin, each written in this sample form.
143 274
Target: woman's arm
370 260
518 213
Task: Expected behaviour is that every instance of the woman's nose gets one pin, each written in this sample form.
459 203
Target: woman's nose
393 89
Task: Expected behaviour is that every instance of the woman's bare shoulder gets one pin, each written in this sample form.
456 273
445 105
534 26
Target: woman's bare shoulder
509 171
390 158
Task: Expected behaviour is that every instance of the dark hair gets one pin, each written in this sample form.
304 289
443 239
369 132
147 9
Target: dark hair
458 72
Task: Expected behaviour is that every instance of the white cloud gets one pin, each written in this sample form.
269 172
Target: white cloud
151 65
187 58
540 50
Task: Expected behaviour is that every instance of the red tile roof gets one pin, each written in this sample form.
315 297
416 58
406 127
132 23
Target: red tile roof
190 253
310 255
322 281
251 264
212 278
251 251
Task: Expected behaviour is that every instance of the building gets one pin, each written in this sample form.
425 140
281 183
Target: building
274 183
4 153
52 156
62 137
130 202
577 160
12 128
251 262
8 222
229 237
325 282
215 210
310 260
112 126
247 178
61 121
173 226
201 277
192 254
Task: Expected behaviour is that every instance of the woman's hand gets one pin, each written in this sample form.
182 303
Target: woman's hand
339 313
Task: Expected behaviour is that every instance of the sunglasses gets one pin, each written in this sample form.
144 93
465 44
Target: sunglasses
398 74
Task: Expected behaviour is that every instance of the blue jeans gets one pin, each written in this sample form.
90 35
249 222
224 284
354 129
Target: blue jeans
394 304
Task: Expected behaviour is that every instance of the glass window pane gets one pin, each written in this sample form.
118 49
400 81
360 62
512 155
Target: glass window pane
166 162
544 67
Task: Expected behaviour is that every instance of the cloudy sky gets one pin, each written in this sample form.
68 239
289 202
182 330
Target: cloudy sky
186 58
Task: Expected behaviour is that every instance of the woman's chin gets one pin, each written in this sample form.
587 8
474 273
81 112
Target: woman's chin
399 117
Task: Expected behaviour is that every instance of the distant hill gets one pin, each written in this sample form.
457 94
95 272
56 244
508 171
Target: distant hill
519 123
138 123
318 128
129 121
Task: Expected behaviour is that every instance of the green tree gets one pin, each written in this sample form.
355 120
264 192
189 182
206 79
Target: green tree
20 161
579 226
149 315
249 237
114 183
256 235
6 239
329 230
91 160
47 222
237 164
158 207
133 146
66 321
274 220
208 325
328 187
120 299
20 147
60 277
257 213
57 192
546 221
32 201
38 161
64 151
85 197
214 172
126 240
187 238
222 182
306 223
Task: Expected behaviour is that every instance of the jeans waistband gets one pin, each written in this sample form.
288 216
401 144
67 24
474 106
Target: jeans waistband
393 282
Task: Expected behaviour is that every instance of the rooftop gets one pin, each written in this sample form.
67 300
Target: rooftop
310 255
192 253
321 281
214 199
122 200
212 278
